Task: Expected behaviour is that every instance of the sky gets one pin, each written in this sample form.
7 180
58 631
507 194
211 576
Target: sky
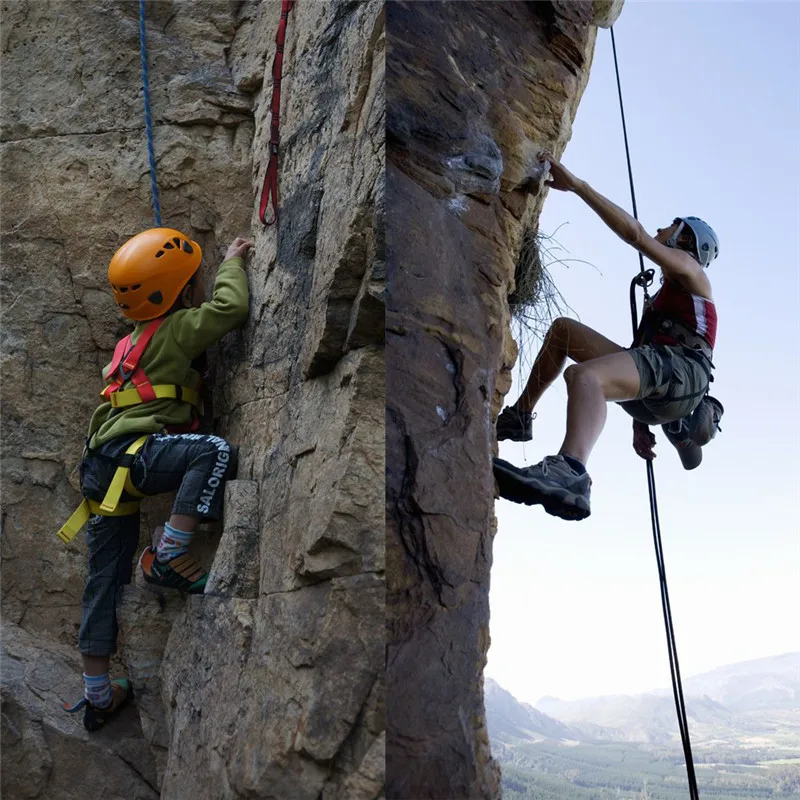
712 106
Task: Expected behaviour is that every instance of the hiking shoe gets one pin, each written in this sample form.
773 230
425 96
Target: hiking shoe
677 433
93 717
703 424
551 483
515 425
182 572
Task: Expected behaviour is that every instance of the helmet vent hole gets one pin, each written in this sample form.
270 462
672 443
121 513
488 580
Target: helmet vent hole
177 241
156 298
136 286
123 289
159 254
169 246
187 248
122 305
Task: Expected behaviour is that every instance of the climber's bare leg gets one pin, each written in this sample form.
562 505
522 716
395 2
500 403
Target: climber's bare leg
590 386
184 522
95 665
566 338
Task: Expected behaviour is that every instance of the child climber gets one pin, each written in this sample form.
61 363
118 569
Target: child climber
143 439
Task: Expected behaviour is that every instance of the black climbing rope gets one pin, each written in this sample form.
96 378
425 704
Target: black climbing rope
644 279
148 121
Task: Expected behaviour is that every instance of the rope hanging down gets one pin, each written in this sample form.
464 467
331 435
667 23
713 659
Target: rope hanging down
270 188
148 122
643 279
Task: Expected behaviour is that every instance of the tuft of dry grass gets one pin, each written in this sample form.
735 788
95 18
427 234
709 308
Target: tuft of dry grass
536 300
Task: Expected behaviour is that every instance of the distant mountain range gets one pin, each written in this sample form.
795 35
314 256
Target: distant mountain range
758 698
742 697
764 683
509 720
744 721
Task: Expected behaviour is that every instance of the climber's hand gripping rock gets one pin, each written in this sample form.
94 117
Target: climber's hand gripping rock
561 178
238 248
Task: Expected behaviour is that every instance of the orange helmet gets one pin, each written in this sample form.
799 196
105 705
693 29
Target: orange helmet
149 271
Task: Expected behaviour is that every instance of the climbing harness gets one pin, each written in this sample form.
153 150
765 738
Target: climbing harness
644 279
125 367
148 121
270 189
110 506
678 327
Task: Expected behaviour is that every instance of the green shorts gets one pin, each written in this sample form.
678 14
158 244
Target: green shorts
671 384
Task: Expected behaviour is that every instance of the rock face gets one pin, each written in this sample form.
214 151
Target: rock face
474 92
273 686
48 754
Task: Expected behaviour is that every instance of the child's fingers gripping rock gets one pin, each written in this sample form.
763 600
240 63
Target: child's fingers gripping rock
238 248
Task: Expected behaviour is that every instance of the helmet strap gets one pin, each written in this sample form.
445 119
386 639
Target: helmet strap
673 240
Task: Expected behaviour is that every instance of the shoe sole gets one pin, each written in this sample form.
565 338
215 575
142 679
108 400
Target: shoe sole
565 504
154 588
513 437
158 588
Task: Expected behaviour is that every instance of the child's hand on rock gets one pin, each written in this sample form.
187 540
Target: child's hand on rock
238 248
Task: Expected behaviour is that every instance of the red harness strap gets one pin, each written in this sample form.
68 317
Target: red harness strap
125 367
129 369
270 188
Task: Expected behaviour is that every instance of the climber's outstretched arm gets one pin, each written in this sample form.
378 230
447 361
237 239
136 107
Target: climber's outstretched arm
676 264
619 220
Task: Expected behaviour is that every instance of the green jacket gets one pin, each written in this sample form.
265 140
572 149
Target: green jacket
183 336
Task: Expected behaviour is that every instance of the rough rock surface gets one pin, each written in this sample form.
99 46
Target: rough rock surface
46 752
291 656
145 623
474 92
235 570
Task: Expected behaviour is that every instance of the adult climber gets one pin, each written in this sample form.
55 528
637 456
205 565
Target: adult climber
144 436
661 378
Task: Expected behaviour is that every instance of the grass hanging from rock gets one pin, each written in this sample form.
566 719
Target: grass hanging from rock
536 300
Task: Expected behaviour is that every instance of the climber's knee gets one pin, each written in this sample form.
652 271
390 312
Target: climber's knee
581 374
614 375
560 328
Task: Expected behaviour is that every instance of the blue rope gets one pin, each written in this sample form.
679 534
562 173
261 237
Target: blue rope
147 118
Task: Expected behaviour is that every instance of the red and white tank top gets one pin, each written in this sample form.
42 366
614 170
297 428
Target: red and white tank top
691 311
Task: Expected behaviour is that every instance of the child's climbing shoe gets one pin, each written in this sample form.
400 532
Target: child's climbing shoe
93 717
515 425
182 572
552 483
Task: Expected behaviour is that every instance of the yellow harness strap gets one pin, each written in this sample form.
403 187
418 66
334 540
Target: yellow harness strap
110 507
130 397
80 517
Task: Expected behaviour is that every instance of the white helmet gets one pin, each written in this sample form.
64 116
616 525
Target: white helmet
706 241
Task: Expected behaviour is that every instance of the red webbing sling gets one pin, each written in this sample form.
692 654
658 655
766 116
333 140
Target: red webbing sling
270 188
